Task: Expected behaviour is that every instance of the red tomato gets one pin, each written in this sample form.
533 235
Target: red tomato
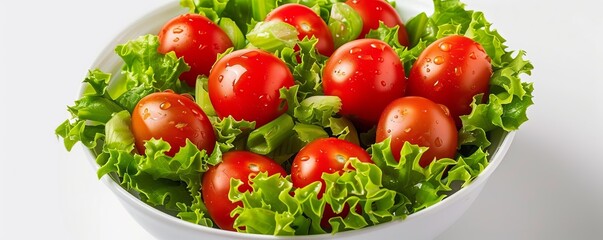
196 39
246 83
173 118
307 23
373 11
451 71
327 155
216 182
422 122
367 75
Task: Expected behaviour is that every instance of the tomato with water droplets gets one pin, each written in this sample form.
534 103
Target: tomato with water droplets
245 84
374 11
196 39
451 71
326 155
215 183
173 118
419 121
366 74
307 23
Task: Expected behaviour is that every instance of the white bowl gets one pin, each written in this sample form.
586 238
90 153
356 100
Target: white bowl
425 224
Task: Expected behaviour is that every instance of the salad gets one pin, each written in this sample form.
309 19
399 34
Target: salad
297 117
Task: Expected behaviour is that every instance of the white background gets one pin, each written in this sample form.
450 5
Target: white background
550 185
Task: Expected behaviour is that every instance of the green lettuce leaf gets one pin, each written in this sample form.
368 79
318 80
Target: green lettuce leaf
230 133
270 208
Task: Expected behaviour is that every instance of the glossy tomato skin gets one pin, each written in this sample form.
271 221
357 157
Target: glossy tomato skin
307 23
373 11
367 75
245 84
196 39
327 155
422 122
173 118
451 71
216 182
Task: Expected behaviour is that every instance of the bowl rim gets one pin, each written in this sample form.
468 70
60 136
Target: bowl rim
107 53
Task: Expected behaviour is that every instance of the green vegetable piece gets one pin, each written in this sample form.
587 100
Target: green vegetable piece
94 108
117 132
234 33
270 136
202 96
273 36
345 23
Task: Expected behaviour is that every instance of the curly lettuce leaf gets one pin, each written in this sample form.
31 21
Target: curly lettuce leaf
144 65
282 213
230 133
306 67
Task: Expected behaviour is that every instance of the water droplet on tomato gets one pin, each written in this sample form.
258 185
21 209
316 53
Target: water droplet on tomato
365 57
181 125
176 39
380 59
254 167
355 50
377 72
427 70
383 83
389 131
145 114
428 60
177 30
438 142
472 55
458 71
165 105
445 109
407 130
340 158
378 8
396 116
445 47
220 78
169 91
437 86
304 158
438 60
339 61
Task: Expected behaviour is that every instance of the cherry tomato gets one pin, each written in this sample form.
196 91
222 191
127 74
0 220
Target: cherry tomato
245 84
373 11
196 39
367 75
326 155
422 122
451 71
216 182
173 118
307 23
